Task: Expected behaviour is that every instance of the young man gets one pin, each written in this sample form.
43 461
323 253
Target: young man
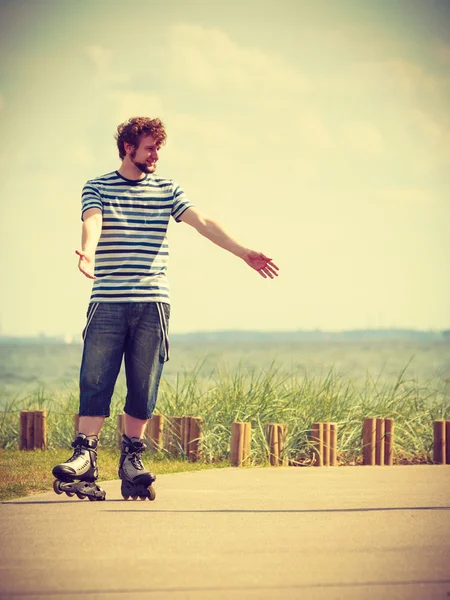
125 252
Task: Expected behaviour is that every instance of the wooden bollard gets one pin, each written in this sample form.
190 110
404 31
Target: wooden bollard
369 441
40 429
447 441
241 437
389 442
324 440
185 425
275 436
172 435
154 432
32 430
333 444
194 444
440 445
317 440
23 429
378 441
191 434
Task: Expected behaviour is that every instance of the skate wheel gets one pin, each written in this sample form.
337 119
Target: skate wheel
152 494
56 487
142 498
91 498
81 496
134 497
70 494
125 497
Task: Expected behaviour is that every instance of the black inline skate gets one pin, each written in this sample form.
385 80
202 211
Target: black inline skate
136 480
78 474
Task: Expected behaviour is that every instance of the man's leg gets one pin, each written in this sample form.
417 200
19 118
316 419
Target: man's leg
104 343
144 360
134 427
104 337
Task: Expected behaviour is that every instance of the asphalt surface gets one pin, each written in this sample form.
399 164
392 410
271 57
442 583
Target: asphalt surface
291 533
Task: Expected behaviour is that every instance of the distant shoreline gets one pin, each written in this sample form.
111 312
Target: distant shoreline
242 335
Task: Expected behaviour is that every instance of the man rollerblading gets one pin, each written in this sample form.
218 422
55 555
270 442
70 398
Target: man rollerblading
125 252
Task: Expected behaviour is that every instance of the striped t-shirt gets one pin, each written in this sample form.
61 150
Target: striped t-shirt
132 253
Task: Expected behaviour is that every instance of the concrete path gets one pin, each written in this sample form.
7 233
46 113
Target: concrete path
290 533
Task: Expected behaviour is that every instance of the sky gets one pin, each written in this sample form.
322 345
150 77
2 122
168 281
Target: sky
317 133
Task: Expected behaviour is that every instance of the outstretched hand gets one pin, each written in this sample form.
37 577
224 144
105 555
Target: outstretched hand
261 263
86 264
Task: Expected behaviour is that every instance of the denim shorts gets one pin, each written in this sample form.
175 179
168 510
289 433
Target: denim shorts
137 331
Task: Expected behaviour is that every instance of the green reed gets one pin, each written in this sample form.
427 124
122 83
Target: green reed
261 397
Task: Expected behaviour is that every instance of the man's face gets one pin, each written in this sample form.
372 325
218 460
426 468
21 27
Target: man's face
145 156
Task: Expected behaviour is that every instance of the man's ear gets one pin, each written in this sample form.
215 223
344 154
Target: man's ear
128 147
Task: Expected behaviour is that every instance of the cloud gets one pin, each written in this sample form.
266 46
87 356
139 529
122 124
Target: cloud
136 104
103 61
362 136
393 79
406 197
443 52
207 59
101 57
81 155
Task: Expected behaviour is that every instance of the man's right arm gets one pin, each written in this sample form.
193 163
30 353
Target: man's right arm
92 228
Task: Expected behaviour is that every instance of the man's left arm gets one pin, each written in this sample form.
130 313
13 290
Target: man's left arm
215 232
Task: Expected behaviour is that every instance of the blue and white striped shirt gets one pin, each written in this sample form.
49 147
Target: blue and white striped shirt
132 253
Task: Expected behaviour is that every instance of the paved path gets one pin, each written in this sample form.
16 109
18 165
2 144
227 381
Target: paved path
290 533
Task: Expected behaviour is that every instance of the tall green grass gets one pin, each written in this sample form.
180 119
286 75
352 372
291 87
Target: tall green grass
261 397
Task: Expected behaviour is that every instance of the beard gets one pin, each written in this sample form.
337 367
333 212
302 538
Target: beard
143 167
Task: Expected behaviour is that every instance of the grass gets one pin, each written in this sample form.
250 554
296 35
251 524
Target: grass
259 397
25 473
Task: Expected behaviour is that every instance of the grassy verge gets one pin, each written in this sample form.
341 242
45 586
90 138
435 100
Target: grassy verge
24 473
260 397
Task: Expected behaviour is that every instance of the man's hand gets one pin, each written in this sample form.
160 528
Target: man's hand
86 264
261 263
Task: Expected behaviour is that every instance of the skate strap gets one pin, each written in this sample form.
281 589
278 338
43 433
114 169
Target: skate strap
85 442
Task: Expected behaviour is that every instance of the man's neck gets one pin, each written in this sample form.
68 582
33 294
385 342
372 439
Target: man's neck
130 171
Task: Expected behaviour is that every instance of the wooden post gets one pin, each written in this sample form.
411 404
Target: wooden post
23 430
281 439
275 434
172 435
439 448
247 443
237 444
185 426
30 429
389 442
447 441
333 444
369 439
317 440
154 432
194 446
326 444
379 442
40 429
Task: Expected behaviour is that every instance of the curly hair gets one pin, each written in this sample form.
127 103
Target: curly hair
132 130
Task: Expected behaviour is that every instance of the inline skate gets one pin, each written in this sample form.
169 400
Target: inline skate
79 473
136 480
